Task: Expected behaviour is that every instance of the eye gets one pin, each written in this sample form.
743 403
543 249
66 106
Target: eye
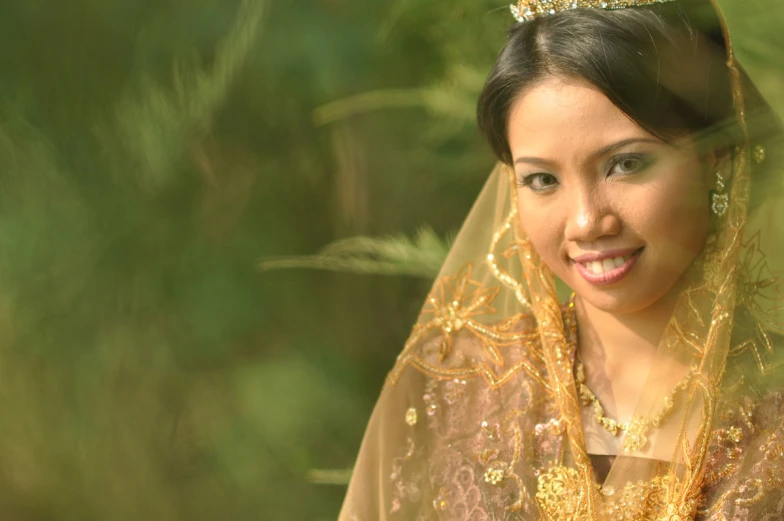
629 164
539 182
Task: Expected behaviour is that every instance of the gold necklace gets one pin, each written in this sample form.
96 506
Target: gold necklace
637 428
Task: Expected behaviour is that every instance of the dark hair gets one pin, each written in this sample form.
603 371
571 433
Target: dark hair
664 66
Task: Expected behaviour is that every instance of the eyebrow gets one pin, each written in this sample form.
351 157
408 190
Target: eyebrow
601 152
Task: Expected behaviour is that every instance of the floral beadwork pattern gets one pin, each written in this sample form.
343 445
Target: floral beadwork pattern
458 305
746 468
497 454
561 494
759 299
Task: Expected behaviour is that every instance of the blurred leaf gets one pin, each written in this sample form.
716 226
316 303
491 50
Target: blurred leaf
329 476
155 124
454 98
396 255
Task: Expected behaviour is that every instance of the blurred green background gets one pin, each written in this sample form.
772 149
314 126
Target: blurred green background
152 153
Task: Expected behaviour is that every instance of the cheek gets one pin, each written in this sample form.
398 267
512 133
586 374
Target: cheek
676 216
546 236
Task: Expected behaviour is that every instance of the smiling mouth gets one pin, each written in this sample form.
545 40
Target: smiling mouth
607 265
608 270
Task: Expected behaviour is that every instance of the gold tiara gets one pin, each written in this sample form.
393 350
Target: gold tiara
526 10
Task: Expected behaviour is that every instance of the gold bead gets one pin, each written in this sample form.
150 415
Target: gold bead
494 475
411 416
759 154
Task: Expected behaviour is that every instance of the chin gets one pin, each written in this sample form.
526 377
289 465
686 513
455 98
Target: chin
625 299
616 304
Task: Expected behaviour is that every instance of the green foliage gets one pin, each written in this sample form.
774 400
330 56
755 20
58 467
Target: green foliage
156 126
397 255
101 421
150 153
455 99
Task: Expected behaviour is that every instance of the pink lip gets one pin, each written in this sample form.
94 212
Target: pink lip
608 277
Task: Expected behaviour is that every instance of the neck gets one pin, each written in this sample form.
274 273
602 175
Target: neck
617 342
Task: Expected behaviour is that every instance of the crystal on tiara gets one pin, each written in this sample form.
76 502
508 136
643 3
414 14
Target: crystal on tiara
526 10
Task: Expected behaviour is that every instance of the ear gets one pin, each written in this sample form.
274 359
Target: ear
715 160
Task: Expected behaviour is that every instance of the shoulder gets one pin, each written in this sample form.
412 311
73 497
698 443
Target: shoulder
757 342
495 352
756 357
744 458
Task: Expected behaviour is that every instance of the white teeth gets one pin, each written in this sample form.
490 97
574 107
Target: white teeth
603 266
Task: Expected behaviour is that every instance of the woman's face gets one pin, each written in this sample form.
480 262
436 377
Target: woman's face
616 213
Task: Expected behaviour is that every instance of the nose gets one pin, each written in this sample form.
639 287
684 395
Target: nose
590 217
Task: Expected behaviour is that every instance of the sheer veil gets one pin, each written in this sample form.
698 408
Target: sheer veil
482 406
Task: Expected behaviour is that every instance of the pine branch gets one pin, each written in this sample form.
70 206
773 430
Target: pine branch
396 255
455 98
155 123
329 476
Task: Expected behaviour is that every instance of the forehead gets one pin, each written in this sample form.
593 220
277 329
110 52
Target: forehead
557 112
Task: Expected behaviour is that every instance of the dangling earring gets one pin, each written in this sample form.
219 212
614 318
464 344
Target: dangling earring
720 202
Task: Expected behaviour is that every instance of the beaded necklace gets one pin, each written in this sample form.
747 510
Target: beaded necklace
637 428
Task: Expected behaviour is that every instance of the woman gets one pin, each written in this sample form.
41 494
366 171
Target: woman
638 169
